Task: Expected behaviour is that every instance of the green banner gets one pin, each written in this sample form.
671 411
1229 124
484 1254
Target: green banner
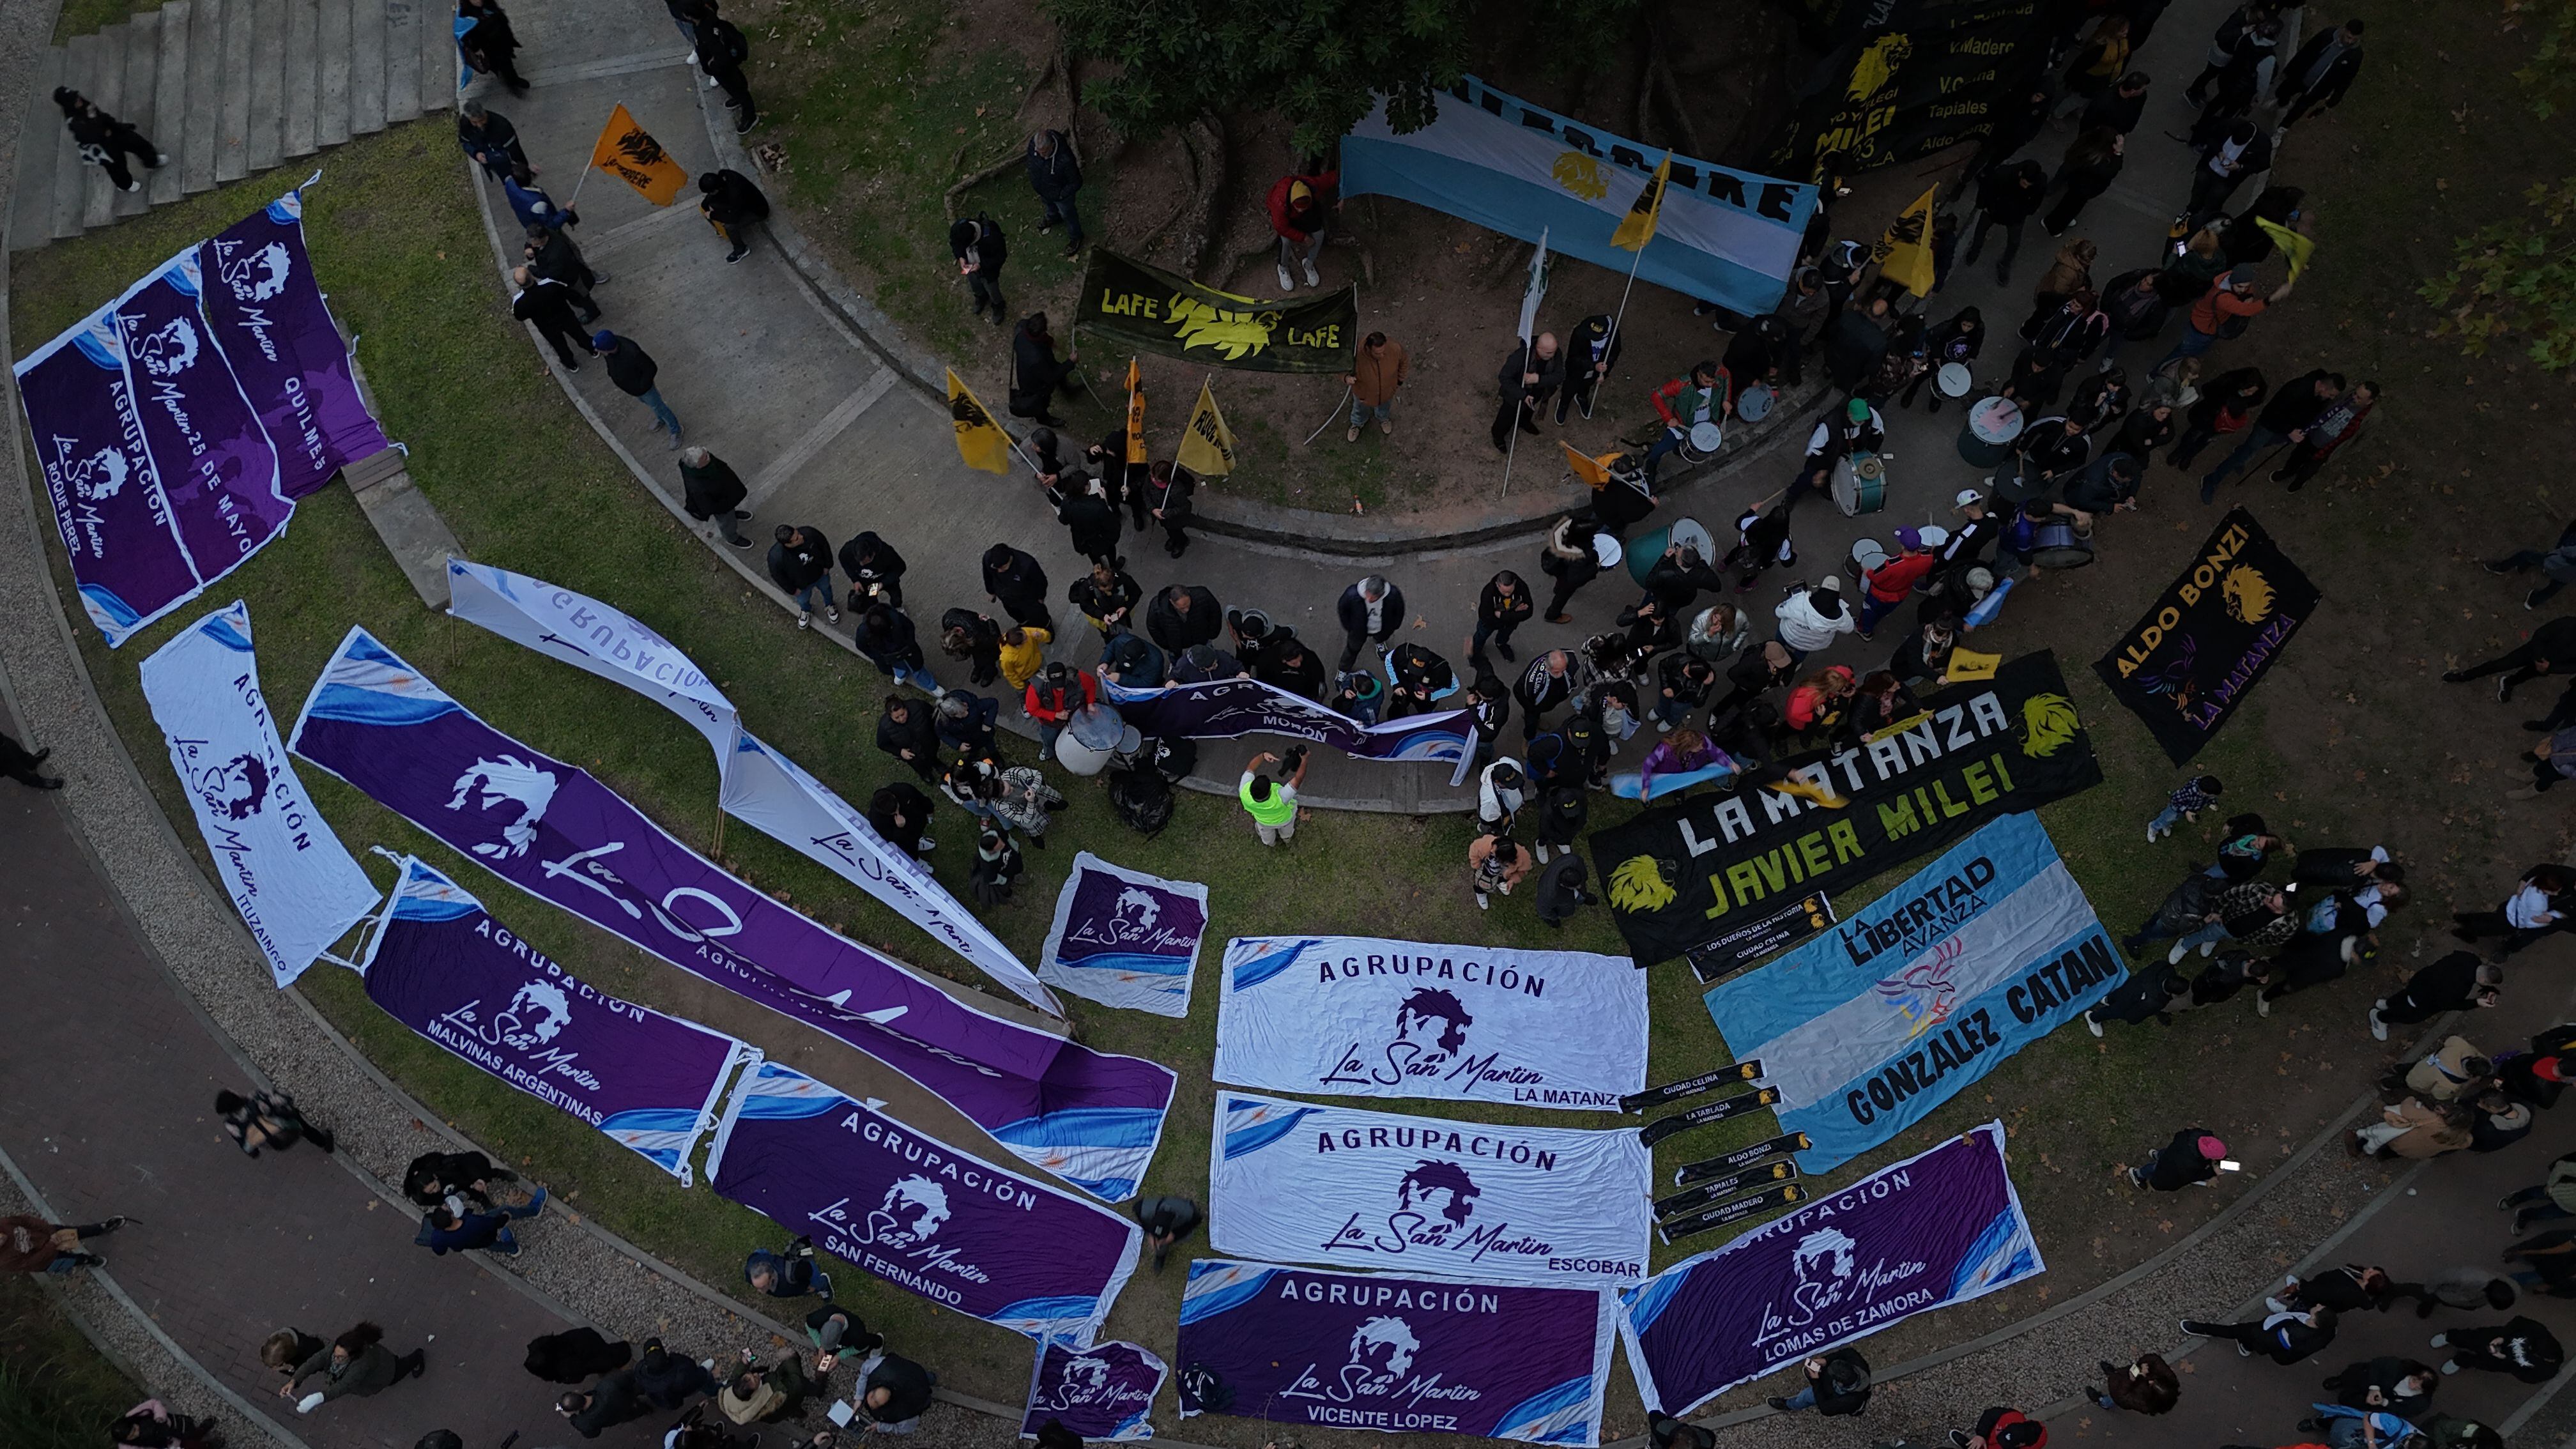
1146 309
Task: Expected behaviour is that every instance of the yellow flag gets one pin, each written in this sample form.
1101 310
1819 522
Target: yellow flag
1638 228
980 440
1595 471
1905 252
1966 664
629 152
2298 248
1135 413
1207 444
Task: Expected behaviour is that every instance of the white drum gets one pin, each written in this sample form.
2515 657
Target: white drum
1954 380
1754 403
1706 438
1866 555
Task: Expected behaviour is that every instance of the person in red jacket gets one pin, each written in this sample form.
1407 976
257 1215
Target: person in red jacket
1892 582
1053 697
2002 1428
1301 207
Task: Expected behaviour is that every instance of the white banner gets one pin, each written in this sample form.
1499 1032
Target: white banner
760 787
1554 1206
1364 1017
766 790
295 885
1125 938
587 634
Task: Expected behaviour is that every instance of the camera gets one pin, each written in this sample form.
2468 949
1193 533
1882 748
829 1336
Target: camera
1295 756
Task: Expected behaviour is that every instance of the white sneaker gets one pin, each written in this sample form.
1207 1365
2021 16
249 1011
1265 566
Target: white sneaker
929 844
2091 1025
2279 134
1663 726
1484 902
1311 279
2378 1025
1287 283
2207 948
2151 835
2262 1004
1542 853
2174 956
2276 1305
833 616
804 620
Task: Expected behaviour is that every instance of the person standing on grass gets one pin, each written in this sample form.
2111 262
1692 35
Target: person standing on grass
905 731
1375 375
2457 982
886 638
1037 374
1494 863
800 563
712 493
722 52
267 1119
1591 350
489 139
1301 209
980 249
1272 804
547 306
2551 649
2342 422
2284 1338
357 1362
2230 305
2317 77
2227 406
633 370
33 1245
1056 176
2285 419
1166 1221
489 45
733 205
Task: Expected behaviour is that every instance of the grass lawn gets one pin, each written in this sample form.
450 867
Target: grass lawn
56 1390
84 17
527 486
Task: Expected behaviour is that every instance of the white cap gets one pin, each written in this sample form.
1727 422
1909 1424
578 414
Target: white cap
1966 497
1829 581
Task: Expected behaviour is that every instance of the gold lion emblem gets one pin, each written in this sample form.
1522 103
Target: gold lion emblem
1639 884
1876 68
1581 175
1236 334
2048 721
2248 594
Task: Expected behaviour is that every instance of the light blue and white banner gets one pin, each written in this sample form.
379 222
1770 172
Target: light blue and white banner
295 885
1125 938
1547 1205
1725 236
1357 1016
1866 1029
760 787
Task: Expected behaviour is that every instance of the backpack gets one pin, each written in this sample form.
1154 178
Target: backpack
1173 759
1142 798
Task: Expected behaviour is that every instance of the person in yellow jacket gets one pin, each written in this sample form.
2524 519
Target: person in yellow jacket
1023 655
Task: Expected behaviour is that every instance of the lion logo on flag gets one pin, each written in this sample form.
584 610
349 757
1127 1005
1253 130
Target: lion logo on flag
1641 883
1237 335
638 146
1581 175
1876 68
2248 594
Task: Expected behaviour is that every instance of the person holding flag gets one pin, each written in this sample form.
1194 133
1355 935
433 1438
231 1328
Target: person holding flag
627 151
1905 256
1135 414
1591 350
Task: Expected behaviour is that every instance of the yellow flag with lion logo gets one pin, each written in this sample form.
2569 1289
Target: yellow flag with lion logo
629 152
980 440
1207 444
1638 227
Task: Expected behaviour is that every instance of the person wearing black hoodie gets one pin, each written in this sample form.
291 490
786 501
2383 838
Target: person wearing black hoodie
980 249
800 563
1085 510
733 205
901 813
895 1394
1036 375
1183 615
2007 193
874 568
2284 420
712 492
1056 177
1014 580
906 731
2316 78
2226 404
104 141
1836 1383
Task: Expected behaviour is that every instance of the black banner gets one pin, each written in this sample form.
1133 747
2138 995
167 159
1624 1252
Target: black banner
1681 874
1130 305
1894 94
1762 1151
1718 1111
1734 1212
1690 1086
1727 1186
1750 941
2207 640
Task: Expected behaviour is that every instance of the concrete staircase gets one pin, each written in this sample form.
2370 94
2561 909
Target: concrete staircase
226 88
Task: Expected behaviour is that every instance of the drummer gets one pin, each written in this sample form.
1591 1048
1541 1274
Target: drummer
1886 587
2021 536
1761 352
1859 430
2108 484
2050 448
1684 402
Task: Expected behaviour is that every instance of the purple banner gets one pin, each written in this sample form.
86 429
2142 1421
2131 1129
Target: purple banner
553 831
443 967
107 500
216 465
1400 1355
919 1214
1125 938
1225 709
1101 1392
267 311
1936 1229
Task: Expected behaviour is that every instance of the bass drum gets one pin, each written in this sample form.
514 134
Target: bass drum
2059 546
1650 547
1860 484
